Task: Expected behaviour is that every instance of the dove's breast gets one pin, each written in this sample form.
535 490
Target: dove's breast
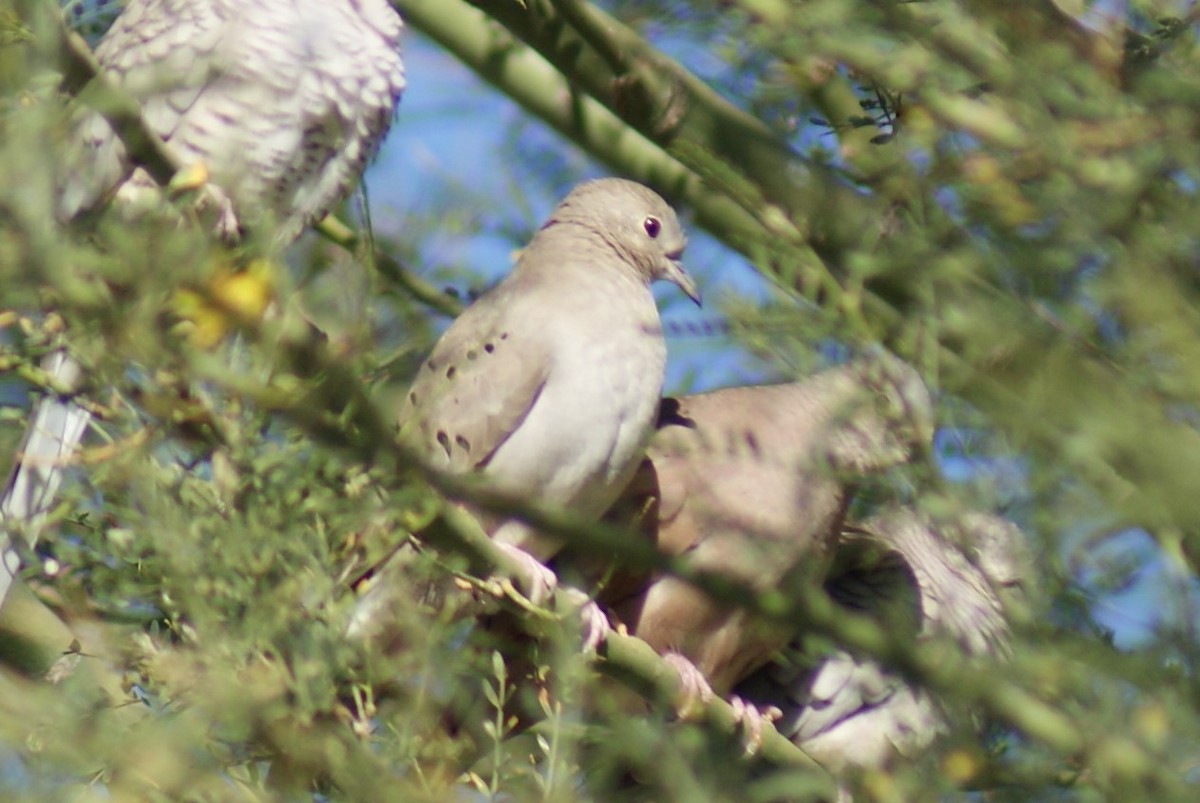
586 433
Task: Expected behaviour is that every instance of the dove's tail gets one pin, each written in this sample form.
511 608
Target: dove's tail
54 432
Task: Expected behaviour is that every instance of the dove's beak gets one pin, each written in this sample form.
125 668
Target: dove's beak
678 276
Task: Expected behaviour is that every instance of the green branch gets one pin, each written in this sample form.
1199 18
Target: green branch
671 106
933 664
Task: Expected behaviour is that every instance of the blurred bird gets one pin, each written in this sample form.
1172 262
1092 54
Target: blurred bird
751 484
915 575
276 105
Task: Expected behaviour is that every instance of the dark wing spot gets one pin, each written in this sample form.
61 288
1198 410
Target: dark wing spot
670 412
444 441
472 354
489 347
751 441
451 371
412 398
463 442
431 365
504 335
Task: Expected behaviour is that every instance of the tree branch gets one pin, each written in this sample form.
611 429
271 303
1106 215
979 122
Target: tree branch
935 664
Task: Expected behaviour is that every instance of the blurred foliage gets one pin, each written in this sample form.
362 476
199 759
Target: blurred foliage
1005 194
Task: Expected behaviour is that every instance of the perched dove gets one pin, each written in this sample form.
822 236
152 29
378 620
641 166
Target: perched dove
914 575
549 385
751 483
282 102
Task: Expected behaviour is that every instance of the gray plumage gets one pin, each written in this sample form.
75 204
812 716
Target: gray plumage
927 578
752 483
548 385
284 102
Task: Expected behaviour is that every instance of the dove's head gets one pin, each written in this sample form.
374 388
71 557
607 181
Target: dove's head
1002 553
998 548
636 222
1005 556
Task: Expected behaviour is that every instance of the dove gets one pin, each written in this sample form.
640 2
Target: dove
956 578
752 484
548 386
283 103
280 103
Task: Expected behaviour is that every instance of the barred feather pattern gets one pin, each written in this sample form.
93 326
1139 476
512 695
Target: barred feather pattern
284 101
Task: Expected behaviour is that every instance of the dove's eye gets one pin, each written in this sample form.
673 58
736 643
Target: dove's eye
652 227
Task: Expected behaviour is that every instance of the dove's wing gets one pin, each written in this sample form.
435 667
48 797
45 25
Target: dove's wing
478 386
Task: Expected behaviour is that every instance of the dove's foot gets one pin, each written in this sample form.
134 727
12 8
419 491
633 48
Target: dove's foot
536 581
227 227
212 202
694 691
593 624
751 719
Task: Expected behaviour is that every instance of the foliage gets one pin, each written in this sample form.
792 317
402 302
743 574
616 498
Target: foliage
1004 194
